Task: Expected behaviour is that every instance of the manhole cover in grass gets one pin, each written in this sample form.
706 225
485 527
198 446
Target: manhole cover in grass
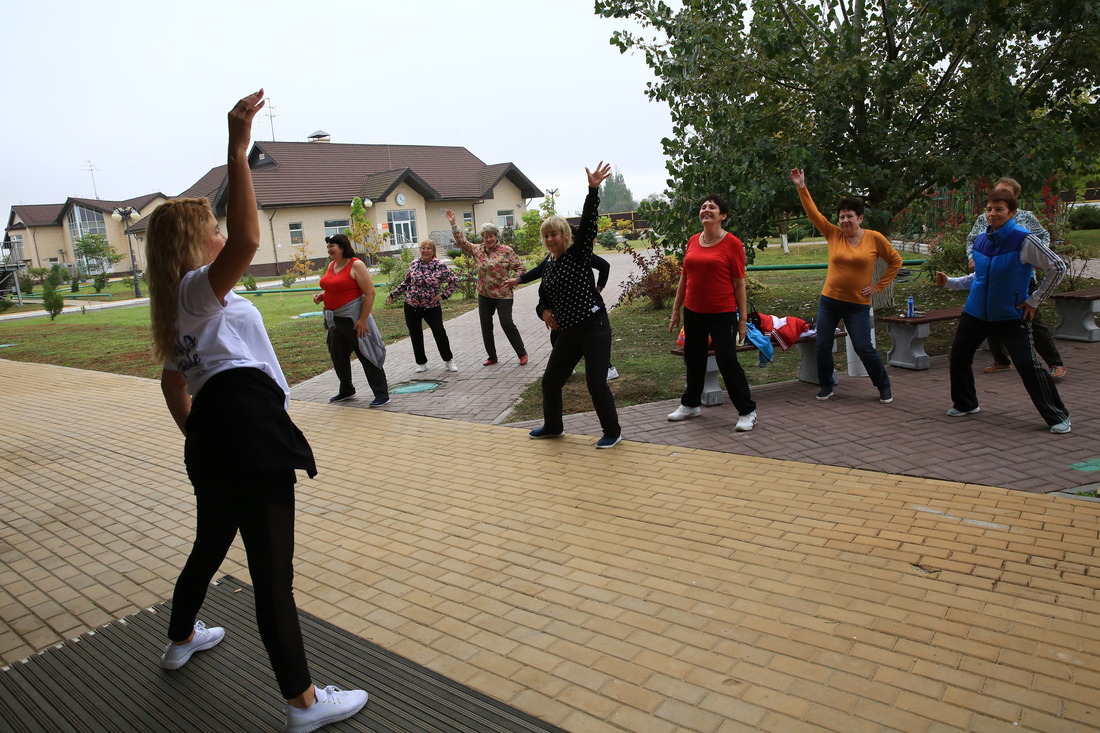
413 387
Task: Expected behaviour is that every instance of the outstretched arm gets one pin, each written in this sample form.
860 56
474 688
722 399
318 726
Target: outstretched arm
242 221
586 230
460 236
826 227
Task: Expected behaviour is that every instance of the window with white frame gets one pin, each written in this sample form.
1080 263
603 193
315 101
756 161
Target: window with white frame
506 218
402 224
296 235
468 222
85 221
336 226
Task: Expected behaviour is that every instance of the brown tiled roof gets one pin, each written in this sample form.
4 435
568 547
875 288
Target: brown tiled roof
208 186
36 215
297 174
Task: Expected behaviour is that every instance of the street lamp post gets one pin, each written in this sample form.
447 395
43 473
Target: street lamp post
128 215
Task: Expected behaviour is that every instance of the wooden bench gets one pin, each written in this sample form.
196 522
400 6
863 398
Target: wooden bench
908 335
1077 310
807 368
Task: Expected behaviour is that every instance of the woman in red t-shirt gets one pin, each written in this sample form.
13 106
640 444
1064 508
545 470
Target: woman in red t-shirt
346 283
712 293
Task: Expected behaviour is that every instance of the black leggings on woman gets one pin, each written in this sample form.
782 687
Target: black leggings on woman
262 508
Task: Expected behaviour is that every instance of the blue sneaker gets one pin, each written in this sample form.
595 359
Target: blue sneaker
539 433
606 442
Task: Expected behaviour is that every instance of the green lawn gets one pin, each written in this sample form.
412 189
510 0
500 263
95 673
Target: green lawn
117 340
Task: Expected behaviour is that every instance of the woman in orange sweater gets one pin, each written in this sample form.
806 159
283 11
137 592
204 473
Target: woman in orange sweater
848 288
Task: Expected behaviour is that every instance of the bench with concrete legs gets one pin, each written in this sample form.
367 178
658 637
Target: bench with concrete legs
807 368
908 335
1078 311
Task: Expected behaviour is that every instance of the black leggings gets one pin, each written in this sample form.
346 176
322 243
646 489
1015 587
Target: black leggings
262 508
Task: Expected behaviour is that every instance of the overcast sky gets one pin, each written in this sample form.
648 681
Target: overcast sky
141 89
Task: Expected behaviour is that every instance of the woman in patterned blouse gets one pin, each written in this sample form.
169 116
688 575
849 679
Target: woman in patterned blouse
576 311
495 264
427 284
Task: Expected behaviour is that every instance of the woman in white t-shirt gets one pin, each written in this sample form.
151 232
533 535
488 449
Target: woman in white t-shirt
226 391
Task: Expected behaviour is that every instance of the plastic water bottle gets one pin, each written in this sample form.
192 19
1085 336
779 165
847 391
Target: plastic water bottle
909 309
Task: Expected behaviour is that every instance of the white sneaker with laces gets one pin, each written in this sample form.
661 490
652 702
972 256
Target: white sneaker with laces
612 373
745 423
176 655
451 366
332 705
1062 427
683 412
420 368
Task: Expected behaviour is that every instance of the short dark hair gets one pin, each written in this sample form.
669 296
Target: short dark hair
1004 197
718 201
345 244
850 203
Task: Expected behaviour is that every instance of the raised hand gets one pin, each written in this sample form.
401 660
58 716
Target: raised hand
603 172
450 216
798 177
241 116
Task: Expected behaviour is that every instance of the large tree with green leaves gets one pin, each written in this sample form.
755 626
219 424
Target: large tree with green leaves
615 195
882 98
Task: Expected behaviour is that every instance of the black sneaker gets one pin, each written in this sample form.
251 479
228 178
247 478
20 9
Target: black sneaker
885 396
343 396
825 393
379 401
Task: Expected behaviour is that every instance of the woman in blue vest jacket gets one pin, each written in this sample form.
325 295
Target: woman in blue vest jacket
999 304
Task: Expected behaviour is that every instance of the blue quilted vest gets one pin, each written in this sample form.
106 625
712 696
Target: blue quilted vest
1000 280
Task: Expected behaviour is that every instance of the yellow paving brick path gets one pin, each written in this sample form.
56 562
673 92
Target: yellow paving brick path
645 588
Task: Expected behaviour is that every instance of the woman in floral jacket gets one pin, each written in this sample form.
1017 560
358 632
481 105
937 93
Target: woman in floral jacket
496 263
427 284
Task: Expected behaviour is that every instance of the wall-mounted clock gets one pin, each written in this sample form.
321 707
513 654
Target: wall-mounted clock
400 199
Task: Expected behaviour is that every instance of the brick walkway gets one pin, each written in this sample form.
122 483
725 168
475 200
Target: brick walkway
692 579
475 393
649 588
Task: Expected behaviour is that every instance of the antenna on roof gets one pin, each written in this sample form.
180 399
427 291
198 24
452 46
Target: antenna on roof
92 169
270 114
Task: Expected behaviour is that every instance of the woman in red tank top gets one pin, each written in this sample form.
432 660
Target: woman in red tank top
346 281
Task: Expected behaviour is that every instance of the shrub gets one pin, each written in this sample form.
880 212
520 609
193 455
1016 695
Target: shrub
52 300
58 274
466 270
454 253
400 266
6 303
656 279
289 278
1085 217
26 283
387 264
39 274
248 281
947 253
607 239
99 282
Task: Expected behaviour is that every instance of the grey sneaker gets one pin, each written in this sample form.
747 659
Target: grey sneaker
176 655
745 423
683 412
332 705
1062 427
959 413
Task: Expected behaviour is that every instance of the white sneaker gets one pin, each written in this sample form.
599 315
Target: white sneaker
420 368
959 413
683 411
1062 427
612 373
333 704
176 655
451 366
745 423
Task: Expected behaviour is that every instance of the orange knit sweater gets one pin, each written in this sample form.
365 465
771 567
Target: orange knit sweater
851 268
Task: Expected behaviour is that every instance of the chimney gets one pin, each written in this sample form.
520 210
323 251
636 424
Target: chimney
320 137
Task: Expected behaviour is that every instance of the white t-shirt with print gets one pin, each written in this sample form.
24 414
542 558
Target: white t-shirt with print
213 338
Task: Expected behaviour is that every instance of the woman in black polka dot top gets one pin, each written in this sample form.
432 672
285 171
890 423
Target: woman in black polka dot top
576 311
